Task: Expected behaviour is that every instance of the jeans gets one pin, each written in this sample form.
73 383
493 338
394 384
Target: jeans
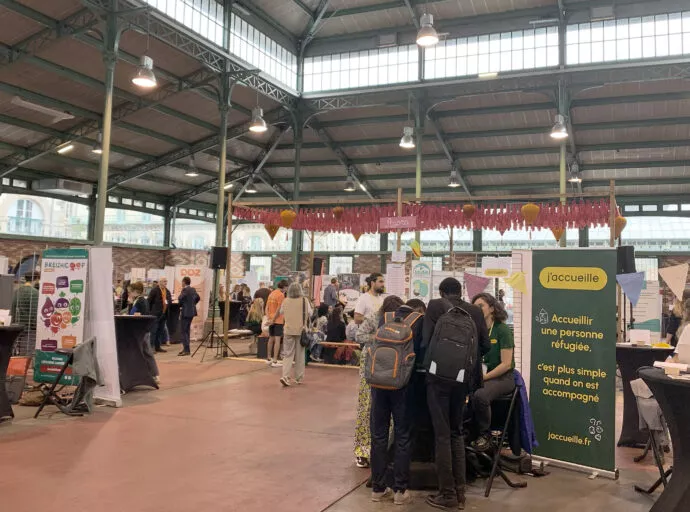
482 398
158 332
385 403
446 402
185 325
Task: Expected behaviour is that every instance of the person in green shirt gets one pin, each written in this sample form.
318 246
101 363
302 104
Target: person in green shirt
499 363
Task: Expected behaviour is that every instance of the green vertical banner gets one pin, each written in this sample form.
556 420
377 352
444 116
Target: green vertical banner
573 365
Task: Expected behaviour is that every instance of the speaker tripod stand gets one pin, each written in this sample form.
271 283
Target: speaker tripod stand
213 339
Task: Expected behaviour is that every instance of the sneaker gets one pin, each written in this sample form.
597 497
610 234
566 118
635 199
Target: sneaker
299 382
402 498
362 462
382 496
157 379
483 443
315 359
184 353
285 381
443 502
276 364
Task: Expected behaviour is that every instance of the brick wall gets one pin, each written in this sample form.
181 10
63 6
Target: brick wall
281 265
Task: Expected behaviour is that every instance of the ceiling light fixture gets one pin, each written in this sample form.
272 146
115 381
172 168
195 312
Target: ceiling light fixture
407 141
559 130
65 148
145 77
258 123
454 181
228 186
191 171
250 188
427 35
98 146
350 184
575 176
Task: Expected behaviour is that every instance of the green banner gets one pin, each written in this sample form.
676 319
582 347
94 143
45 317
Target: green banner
573 365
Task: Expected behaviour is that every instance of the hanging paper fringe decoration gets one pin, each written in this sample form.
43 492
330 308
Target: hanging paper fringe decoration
557 233
272 230
287 218
530 211
619 225
501 217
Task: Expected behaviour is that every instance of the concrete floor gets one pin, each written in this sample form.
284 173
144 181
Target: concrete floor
224 435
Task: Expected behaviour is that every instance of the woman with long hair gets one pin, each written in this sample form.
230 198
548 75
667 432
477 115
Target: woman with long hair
365 335
296 310
255 316
499 363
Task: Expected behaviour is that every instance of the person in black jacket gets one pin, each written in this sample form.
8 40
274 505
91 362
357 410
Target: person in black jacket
188 299
140 306
446 401
159 302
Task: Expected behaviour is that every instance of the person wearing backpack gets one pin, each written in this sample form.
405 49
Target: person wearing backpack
390 364
455 339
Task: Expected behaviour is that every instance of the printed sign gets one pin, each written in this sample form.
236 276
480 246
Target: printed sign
420 281
197 275
398 222
60 321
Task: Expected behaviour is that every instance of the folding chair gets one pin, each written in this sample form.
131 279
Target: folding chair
50 396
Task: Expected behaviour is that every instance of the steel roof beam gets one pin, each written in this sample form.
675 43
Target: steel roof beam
453 159
257 168
313 25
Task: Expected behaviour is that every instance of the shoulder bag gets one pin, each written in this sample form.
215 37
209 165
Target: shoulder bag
304 338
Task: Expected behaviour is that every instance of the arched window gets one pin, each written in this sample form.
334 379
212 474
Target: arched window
25 218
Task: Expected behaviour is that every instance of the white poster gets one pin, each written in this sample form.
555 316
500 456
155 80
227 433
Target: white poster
420 281
395 279
647 313
349 290
496 267
200 283
438 276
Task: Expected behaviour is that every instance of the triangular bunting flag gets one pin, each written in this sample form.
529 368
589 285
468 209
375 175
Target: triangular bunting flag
475 284
517 282
632 285
675 278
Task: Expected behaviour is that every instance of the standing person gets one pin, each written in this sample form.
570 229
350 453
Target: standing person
295 310
330 294
159 302
262 293
392 402
140 306
446 400
221 302
371 301
499 361
365 335
24 311
188 300
275 329
675 319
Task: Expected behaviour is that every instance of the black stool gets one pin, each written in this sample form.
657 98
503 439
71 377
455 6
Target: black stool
50 396
496 469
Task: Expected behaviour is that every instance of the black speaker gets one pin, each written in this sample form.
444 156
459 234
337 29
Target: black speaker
219 256
626 259
317 269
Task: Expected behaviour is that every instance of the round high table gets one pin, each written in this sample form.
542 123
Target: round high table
133 355
630 359
8 335
673 396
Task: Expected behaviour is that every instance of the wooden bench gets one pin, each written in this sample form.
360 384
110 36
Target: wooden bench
339 344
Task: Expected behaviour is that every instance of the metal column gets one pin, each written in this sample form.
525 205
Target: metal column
419 137
224 107
562 190
167 225
110 47
297 234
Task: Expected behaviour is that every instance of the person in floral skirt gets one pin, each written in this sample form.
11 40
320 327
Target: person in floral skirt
365 335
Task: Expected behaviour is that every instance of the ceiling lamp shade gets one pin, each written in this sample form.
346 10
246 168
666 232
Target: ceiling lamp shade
427 35
350 185
258 124
575 176
228 186
407 141
65 148
191 171
145 77
559 130
250 188
98 146
454 182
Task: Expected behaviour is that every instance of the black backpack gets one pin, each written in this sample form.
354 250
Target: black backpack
453 348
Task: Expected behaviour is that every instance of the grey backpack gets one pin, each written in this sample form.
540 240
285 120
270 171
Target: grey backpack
391 357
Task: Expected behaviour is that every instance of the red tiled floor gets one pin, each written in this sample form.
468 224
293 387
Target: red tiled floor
242 443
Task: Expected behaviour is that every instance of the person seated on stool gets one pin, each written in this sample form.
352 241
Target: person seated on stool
188 299
499 363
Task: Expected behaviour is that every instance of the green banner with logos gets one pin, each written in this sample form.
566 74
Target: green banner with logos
573 358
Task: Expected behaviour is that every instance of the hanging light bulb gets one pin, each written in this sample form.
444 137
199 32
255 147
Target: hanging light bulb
407 141
350 184
191 172
427 35
250 188
258 124
559 130
98 146
65 148
575 176
145 77
454 182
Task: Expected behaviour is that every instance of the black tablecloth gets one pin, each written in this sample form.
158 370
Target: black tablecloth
8 335
234 318
130 335
173 322
673 396
630 359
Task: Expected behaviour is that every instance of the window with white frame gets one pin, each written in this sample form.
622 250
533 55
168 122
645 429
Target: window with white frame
339 265
365 68
493 53
645 37
256 48
205 17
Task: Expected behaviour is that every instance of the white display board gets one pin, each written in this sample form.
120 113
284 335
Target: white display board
647 313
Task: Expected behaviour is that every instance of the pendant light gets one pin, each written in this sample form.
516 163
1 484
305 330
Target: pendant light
191 172
250 188
427 35
454 181
145 77
97 148
258 123
350 183
575 176
407 141
559 130
65 148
